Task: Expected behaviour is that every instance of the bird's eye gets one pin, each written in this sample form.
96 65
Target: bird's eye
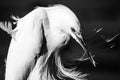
73 29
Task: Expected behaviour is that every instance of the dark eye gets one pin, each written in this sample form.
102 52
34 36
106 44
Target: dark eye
73 29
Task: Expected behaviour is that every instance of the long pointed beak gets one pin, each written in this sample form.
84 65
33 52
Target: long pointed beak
79 39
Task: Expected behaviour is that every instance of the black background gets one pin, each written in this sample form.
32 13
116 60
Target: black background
93 14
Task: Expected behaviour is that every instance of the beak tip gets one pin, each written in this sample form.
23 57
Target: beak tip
94 63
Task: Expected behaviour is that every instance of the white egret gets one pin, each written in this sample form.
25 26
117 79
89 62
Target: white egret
56 23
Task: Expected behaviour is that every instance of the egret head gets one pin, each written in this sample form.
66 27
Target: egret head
68 23
75 33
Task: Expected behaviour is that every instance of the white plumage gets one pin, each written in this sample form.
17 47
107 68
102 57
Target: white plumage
56 23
